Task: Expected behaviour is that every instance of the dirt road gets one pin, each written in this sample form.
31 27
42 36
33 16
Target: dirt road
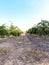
19 47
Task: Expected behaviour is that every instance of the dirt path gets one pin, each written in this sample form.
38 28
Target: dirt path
40 43
18 45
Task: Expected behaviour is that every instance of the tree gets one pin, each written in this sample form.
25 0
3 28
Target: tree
15 31
42 28
4 31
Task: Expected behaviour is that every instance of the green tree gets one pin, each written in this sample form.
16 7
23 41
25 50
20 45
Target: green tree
41 28
15 31
4 31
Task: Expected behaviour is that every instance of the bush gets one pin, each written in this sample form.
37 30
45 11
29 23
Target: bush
4 50
7 32
32 30
13 30
42 28
4 31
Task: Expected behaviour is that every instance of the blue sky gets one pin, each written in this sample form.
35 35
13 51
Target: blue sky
23 13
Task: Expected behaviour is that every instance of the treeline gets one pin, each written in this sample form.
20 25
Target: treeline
9 31
41 29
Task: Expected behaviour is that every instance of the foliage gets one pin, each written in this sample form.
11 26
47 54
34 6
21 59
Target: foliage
4 50
4 31
13 30
32 30
42 28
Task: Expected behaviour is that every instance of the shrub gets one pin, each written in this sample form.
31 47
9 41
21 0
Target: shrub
4 50
15 32
32 30
42 28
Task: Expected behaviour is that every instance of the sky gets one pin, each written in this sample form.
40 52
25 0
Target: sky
23 13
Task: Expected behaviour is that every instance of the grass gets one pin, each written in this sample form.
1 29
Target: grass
4 50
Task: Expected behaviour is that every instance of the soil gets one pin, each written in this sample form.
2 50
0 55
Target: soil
21 48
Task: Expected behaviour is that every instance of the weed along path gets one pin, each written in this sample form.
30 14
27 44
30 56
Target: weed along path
24 50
